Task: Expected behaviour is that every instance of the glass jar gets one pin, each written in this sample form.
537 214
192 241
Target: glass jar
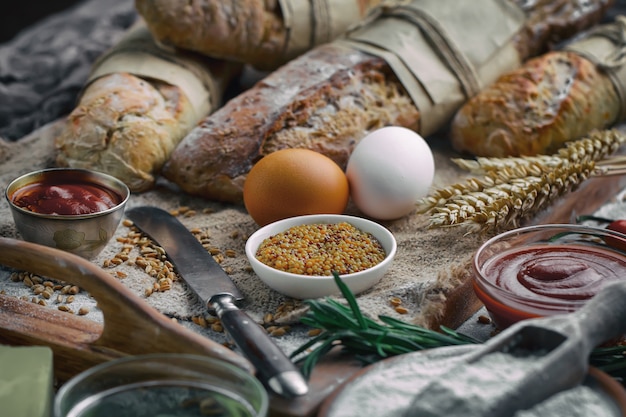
169 385
543 270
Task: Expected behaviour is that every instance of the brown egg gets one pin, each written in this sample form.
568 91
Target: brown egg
294 182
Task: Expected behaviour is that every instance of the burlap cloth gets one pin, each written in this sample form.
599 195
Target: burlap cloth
420 276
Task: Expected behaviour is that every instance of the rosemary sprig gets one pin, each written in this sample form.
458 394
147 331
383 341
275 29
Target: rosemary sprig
611 360
369 340
513 189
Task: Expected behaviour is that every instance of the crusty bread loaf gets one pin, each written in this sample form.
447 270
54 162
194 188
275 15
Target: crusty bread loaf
125 126
138 105
326 100
255 32
324 113
535 109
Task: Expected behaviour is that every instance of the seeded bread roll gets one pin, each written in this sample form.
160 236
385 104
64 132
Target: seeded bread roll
535 109
327 100
262 33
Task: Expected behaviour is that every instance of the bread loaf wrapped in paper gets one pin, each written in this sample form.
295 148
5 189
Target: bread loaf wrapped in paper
552 99
262 33
140 101
410 65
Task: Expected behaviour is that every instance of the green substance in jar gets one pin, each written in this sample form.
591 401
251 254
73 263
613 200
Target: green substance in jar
163 399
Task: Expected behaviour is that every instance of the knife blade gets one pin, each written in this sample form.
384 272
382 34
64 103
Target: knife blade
214 287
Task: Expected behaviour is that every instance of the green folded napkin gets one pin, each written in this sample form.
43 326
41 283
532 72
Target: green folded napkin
26 381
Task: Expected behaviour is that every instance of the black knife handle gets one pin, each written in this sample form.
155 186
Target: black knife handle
275 369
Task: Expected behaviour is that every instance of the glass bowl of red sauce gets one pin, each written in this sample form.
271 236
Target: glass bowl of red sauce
75 210
543 270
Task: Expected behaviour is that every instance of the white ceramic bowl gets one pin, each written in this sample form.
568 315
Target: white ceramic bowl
316 286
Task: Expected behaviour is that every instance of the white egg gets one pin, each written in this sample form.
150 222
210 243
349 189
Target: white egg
389 170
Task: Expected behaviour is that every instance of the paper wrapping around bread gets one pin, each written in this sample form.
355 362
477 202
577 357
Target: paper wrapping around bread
442 52
264 34
550 100
139 103
329 98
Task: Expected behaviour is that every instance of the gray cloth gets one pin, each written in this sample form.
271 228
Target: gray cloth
44 67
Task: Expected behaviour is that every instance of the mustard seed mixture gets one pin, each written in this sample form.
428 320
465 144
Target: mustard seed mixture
320 249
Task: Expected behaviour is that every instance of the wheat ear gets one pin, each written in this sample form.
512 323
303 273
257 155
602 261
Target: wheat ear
513 189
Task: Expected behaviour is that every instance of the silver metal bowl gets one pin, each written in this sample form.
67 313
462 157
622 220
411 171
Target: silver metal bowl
82 234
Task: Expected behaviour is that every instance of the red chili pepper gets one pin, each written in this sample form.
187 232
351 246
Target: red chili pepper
617 242
618 226
615 225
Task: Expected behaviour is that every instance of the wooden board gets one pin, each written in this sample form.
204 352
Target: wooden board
131 326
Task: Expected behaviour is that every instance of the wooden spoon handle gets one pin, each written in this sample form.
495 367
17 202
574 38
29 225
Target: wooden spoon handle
130 327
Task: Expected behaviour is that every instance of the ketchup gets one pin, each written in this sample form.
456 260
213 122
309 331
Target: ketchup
554 272
68 198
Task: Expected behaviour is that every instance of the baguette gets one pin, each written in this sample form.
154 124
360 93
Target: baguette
127 122
550 100
262 33
126 127
325 100
535 109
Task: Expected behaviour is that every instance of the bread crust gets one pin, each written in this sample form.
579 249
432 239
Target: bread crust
341 94
138 104
535 109
249 31
549 22
125 126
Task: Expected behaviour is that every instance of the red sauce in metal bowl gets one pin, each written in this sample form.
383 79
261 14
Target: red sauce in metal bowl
69 198
542 279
